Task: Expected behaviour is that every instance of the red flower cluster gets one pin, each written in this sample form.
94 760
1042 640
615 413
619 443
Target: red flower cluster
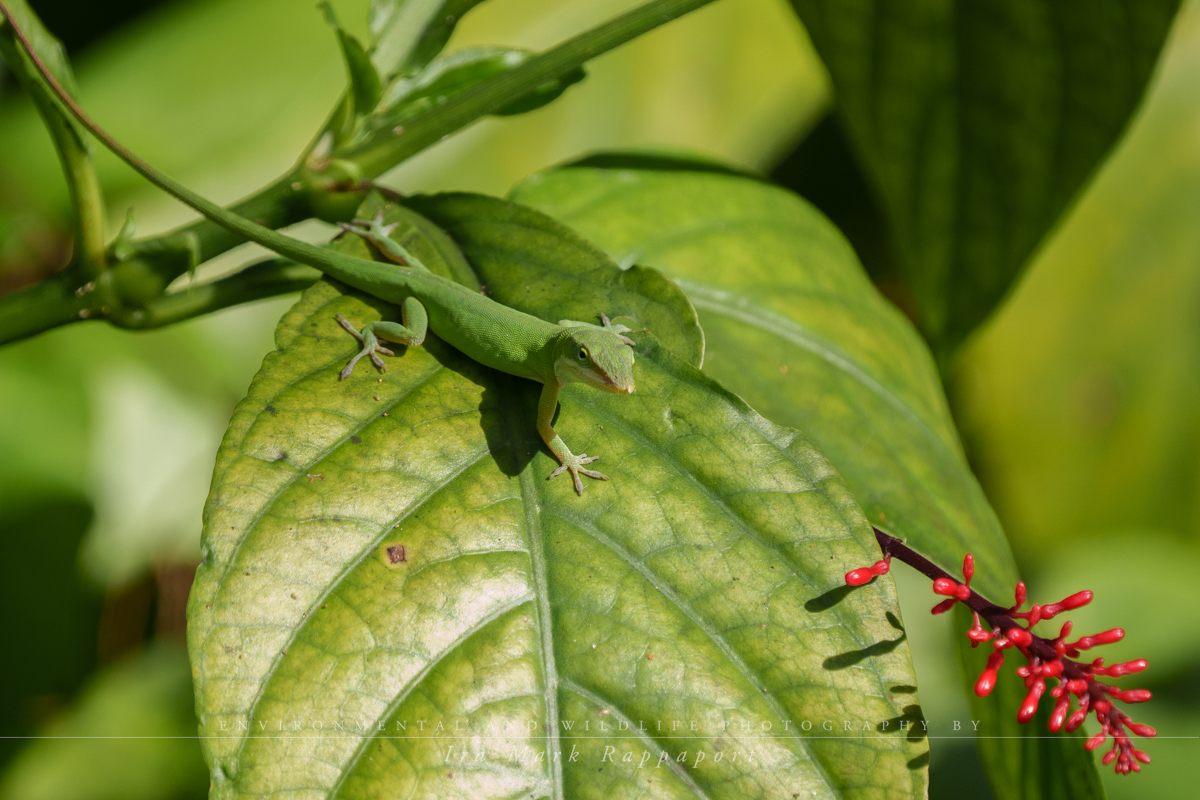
1048 658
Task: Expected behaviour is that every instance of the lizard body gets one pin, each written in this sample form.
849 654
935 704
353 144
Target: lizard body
493 334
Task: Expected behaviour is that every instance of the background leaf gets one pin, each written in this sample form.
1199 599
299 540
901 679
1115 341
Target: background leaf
407 34
1081 404
410 97
131 736
693 586
794 325
978 122
365 84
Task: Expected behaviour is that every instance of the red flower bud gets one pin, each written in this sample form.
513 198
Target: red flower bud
945 587
977 634
1134 695
968 567
857 577
1029 707
1076 719
1128 668
1140 756
1106 637
1142 730
1094 742
1077 600
943 607
1019 636
1109 757
987 681
1034 615
1059 715
1020 595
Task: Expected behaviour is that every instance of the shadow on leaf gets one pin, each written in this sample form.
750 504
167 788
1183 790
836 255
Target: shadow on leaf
913 716
829 599
852 657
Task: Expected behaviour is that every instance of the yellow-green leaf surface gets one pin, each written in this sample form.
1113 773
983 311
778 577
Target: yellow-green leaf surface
794 325
527 642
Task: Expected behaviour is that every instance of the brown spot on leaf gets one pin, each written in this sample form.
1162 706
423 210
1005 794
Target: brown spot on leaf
356 439
396 554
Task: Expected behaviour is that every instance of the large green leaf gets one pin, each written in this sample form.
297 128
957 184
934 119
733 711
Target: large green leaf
683 606
978 121
794 325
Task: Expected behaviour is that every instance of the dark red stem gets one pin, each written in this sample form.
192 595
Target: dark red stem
996 615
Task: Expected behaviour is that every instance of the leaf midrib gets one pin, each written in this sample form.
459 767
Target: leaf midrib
715 636
537 562
649 741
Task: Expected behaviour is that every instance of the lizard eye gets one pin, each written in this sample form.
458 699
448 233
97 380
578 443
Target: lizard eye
583 355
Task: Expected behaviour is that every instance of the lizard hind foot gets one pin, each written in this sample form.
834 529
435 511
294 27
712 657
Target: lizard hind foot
375 227
575 465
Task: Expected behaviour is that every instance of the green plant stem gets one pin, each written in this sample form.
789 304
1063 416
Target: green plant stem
256 282
386 149
73 153
49 304
292 197
280 204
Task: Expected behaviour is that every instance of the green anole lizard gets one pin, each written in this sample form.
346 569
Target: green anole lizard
493 334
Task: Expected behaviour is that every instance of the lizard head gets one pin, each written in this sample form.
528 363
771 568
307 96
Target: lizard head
597 357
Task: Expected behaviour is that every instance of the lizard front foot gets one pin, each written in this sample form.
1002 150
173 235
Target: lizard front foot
371 347
575 463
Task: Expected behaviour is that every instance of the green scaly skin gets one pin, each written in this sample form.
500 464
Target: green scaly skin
486 331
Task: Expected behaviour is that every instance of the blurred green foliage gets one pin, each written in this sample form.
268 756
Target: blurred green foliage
977 123
130 736
1081 408
1079 402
